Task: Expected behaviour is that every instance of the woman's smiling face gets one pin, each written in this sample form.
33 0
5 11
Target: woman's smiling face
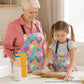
30 13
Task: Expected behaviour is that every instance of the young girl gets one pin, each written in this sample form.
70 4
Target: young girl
62 48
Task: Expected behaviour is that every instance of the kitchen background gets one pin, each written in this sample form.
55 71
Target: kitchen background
51 11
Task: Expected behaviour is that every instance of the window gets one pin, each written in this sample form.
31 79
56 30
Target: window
74 14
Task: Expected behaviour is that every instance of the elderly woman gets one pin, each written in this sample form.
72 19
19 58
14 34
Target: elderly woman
24 35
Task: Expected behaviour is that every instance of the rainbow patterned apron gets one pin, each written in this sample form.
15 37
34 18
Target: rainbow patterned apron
62 62
32 46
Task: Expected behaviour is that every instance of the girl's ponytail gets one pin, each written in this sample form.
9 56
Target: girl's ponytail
72 34
51 35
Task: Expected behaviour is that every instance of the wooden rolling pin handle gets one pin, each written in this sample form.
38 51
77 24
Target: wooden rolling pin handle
47 75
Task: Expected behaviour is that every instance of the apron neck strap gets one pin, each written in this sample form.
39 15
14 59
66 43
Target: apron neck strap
58 43
36 27
23 29
56 46
67 45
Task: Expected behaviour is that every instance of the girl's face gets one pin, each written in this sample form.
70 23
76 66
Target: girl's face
30 14
61 35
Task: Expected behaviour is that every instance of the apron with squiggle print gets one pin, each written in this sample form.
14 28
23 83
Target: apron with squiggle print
32 46
62 63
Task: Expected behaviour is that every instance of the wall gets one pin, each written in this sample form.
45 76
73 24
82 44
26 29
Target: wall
80 54
76 16
45 15
76 19
50 12
7 14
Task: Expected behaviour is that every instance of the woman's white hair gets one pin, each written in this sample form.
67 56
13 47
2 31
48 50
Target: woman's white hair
30 3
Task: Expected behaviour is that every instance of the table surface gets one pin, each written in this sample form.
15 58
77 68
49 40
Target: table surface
33 79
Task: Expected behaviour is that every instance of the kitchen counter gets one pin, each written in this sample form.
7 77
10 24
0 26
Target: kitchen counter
33 79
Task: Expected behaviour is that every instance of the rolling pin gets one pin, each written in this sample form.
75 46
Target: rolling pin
48 75
82 79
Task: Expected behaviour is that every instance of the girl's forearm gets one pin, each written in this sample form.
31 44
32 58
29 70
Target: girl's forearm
72 64
45 62
72 60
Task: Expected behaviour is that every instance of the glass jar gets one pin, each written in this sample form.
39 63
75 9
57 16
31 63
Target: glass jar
11 69
17 69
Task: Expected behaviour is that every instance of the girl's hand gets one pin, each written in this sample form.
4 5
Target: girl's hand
51 66
38 72
68 76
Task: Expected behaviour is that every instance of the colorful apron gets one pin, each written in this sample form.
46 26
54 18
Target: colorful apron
62 62
32 46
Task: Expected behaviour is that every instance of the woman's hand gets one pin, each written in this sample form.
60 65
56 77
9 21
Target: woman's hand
51 66
68 76
12 57
38 72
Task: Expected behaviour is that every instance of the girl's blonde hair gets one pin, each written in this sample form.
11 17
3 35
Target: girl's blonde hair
30 3
60 25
